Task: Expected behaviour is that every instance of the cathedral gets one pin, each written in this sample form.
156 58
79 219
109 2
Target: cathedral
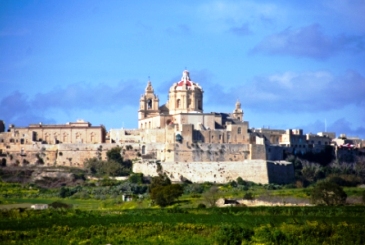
185 107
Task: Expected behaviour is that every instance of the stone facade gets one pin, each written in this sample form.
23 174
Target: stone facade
258 171
74 132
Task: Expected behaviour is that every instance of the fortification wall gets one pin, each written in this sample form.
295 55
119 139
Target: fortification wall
209 152
72 155
221 172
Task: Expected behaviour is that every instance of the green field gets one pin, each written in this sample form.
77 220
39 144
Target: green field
239 225
97 215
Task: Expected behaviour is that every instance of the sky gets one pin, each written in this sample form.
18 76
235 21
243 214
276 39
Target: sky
291 64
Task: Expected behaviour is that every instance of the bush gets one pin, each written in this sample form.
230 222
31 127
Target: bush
136 178
165 195
328 193
58 204
201 205
240 181
248 196
347 180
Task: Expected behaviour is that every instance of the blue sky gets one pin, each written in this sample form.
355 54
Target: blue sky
292 64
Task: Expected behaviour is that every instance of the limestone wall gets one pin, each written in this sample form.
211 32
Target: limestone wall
72 155
220 172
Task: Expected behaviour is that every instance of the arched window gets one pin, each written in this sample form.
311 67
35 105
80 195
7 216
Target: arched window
239 130
149 104
199 104
178 103
143 149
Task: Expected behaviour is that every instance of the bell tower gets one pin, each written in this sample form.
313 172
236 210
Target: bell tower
148 103
238 112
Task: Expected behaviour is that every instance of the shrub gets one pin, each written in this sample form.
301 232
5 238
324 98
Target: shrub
165 195
58 204
201 205
136 178
345 180
248 196
328 193
240 181
212 195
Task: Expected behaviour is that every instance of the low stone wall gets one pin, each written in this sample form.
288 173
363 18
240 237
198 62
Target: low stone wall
221 172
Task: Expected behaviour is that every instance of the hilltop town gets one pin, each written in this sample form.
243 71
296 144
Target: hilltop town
177 138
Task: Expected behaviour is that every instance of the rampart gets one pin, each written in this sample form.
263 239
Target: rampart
258 171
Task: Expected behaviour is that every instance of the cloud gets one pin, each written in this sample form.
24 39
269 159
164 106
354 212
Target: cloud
350 12
242 30
308 41
84 96
294 92
340 126
16 109
344 126
19 109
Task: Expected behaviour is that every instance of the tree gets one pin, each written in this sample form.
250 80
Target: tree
161 180
136 178
328 193
165 195
114 166
114 155
162 192
212 195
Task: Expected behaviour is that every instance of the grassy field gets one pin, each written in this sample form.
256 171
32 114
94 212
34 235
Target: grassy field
240 225
99 216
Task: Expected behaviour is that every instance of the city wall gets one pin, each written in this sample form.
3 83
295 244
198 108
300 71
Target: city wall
258 171
72 155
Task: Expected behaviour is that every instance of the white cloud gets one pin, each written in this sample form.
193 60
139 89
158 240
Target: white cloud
297 92
309 41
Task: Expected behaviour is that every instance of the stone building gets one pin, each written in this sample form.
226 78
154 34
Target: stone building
69 133
201 146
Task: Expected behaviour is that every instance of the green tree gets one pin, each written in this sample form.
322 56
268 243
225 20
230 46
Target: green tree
328 193
162 192
114 155
136 178
212 195
161 180
114 166
166 195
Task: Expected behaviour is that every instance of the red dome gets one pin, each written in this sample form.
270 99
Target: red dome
181 83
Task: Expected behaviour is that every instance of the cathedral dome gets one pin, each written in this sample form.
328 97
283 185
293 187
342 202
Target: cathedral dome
185 83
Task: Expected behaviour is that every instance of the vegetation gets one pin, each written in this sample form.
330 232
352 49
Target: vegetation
328 193
240 225
93 211
162 192
113 166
